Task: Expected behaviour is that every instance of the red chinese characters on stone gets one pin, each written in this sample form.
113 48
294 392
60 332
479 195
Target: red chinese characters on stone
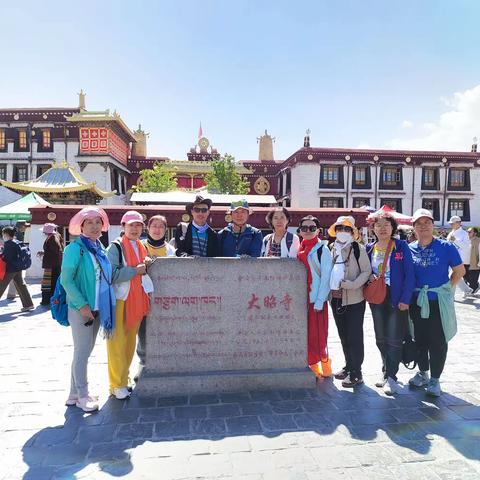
252 303
270 302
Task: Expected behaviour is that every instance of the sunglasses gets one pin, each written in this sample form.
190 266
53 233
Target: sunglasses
341 228
200 209
308 228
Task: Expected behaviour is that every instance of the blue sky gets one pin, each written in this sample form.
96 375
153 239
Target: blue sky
396 74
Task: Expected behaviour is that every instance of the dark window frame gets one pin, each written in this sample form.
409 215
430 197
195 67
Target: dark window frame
459 188
3 168
43 166
398 202
4 145
338 184
17 147
364 200
338 200
16 176
390 186
466 208
288 182
40 146
368 178
436 178
436 207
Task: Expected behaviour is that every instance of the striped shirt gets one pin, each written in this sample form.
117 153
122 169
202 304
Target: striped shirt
199 243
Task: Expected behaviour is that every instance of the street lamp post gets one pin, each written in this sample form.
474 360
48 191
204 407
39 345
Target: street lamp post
445 164
375 159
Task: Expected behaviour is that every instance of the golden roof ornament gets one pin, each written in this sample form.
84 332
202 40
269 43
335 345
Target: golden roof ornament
81 100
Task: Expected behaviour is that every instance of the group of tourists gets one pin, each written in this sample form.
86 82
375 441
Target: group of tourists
107 289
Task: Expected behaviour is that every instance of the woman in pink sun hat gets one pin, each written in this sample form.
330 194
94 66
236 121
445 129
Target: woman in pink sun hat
86 276
129 259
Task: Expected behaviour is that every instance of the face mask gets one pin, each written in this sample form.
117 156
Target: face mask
344 237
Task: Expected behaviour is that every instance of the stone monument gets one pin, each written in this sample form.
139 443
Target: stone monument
226 324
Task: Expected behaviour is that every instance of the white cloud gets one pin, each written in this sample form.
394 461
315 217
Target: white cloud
406 124
454 129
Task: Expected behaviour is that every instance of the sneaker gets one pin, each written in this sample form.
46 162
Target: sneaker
351 381
121 393
28 309
341 374
381 381
433 388
11 298
391 387
475 291
86 405
73 399
419 380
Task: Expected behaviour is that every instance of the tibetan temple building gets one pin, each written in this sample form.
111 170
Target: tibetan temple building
61 184
109 156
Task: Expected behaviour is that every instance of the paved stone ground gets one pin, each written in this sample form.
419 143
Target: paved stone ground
327 433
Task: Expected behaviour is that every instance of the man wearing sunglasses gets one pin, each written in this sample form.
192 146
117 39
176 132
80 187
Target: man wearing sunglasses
196 238
239 238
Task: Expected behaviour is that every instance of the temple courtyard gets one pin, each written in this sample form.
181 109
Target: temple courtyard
324 433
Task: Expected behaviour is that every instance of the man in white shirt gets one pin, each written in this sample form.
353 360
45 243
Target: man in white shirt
459 237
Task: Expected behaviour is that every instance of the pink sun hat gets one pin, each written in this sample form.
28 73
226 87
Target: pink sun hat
48 228
76 222
131 217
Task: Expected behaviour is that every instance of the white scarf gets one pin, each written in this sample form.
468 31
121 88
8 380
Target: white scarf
338 271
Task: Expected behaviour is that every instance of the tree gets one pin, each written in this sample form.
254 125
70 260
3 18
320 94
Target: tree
224 177
156 179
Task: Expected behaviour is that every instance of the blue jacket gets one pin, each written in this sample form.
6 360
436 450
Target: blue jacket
402 275
78 276
248 243
320 288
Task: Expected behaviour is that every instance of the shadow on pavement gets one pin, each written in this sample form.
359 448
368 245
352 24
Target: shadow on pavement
107 441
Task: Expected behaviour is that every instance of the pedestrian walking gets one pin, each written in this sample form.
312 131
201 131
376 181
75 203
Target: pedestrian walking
86 277
351 270
391 259
474 269
460 239
432 308
15 259
51 256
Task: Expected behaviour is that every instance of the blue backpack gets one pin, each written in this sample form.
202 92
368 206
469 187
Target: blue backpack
59 306
58 303
24 256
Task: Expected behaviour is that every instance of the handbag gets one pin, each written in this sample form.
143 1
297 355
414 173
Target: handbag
376 290
409 352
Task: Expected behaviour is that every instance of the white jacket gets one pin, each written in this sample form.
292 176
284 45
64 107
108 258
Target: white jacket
284 251
462 242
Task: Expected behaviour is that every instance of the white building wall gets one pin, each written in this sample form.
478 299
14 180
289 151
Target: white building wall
304 185
475 204
305 191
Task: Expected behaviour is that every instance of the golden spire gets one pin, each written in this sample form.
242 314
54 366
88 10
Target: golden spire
81 100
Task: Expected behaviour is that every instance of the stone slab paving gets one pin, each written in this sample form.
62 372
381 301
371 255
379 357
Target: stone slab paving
326 433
